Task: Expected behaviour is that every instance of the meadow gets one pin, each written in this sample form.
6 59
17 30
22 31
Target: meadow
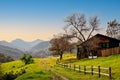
46 68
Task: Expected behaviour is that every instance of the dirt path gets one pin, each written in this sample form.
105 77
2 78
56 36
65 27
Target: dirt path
44 64
62 77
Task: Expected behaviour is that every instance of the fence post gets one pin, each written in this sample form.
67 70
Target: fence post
79 68
70 66
84 69
99 71
110 72
74 67
92 69
67 66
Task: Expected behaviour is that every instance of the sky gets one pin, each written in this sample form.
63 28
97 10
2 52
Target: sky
41 19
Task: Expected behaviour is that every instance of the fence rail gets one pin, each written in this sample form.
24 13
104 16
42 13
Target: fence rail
88 69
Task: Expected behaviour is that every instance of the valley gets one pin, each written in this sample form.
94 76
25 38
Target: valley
15 48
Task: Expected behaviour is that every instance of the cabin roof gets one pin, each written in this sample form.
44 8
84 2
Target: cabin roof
101 35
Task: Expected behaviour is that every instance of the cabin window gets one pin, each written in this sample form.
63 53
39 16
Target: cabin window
107 45
104 45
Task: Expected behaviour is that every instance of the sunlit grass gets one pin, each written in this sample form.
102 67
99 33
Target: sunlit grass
110 61
35 71
40 69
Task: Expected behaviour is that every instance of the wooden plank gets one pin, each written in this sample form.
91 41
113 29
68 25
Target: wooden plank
72 68
95 67
104 74
88 71
84 69
76 66
95 72
104 68
77 69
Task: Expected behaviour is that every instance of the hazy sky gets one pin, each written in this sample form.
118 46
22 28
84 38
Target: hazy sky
40 19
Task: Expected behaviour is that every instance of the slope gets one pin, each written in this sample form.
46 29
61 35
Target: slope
49 64
34 71
12 52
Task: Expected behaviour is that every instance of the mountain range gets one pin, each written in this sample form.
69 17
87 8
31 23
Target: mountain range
15 48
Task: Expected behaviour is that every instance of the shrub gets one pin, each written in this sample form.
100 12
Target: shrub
11 75
27 59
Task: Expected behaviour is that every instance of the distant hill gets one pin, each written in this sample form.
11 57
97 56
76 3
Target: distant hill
41 46
23 45
35 42
38 48
20 44
12 52
41 49
5 58
41 53
5 43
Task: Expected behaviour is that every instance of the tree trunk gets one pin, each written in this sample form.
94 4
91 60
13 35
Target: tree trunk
61 56
61 53
78 53
78 56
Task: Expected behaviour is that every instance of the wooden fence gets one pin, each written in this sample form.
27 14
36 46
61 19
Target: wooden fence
110 51
89 69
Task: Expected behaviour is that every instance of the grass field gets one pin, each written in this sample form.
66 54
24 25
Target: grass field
34 71
111 61
46 68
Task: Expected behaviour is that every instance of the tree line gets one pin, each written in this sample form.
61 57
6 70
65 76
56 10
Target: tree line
5 58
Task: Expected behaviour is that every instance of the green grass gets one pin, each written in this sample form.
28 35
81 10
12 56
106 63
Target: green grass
18 64
38 75
46 68
75 75
111 61
34 71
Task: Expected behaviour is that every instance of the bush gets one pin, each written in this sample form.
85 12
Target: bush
11 75
27 59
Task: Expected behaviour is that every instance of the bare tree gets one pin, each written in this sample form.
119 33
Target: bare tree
113 29
92 46
60 44
78 27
